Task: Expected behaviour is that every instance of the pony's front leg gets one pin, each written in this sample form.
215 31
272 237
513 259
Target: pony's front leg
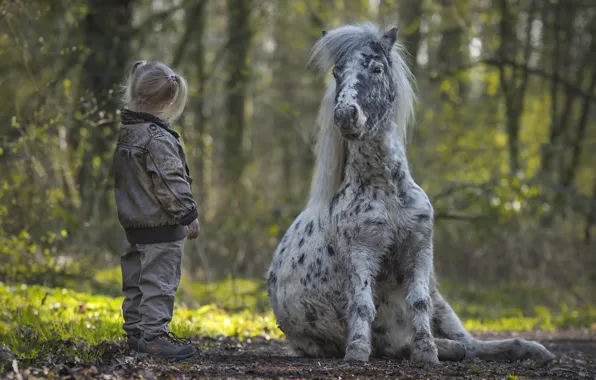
361 309
419 304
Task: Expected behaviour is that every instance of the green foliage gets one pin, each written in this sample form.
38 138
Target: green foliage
22 259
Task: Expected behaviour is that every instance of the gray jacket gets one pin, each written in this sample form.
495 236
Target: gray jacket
151 180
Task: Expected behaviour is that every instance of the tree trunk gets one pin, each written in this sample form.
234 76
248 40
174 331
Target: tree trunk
240 35
283 87
514 83
194 32
107 36
450 54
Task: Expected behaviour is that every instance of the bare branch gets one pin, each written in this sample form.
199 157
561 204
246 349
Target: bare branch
467 218
533 71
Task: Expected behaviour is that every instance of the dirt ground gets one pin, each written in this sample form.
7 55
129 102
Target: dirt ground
259 358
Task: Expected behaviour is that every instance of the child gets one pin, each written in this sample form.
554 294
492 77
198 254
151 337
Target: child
155 207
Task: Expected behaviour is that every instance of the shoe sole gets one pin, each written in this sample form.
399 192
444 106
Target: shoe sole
175 357
180 356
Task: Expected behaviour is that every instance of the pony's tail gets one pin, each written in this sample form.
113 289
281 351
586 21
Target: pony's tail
330 154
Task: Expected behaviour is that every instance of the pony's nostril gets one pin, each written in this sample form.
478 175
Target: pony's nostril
352 111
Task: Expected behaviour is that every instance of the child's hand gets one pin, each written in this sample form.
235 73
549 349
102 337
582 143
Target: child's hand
193 230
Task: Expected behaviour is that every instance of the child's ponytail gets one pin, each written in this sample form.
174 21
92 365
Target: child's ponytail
155 88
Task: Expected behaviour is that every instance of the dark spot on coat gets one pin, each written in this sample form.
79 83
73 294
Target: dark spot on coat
301 259
301 242
421 335
311 317
420 305
363 312
373 222
422 217
330 250
309 228
272 279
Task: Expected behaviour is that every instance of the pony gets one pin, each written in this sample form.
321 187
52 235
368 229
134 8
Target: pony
353 275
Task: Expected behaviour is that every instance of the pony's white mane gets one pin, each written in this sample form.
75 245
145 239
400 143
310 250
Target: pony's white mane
331 146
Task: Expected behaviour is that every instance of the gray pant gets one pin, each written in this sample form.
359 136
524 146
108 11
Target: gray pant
150 279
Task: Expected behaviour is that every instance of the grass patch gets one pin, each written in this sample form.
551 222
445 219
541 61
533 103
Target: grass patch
30 316
33 317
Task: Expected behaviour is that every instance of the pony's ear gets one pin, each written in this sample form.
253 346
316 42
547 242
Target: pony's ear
323 33
391 36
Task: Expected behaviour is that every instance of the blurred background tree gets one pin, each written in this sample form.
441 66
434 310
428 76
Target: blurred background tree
504 142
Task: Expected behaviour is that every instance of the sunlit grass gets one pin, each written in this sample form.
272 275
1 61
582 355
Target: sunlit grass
30 316
33 314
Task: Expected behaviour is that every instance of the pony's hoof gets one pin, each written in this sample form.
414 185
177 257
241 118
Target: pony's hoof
425 358
425 352
450 350
357 352
533 351
545 356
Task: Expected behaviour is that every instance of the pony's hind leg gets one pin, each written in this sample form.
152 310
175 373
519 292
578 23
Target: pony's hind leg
509 349
446 324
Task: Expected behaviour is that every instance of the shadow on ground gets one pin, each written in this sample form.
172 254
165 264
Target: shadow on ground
225 358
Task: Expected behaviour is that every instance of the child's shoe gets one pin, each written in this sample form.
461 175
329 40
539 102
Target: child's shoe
167 345
132 339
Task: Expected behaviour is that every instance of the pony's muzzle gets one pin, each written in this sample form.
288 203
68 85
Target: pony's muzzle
346 118
347 113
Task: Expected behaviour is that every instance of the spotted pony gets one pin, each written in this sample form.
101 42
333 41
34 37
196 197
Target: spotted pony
353 276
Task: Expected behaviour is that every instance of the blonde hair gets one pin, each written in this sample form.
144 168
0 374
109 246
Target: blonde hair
155 88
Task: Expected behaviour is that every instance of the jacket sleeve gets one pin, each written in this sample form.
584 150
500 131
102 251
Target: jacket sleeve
167 172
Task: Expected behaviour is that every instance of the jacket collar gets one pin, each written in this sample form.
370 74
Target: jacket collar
129 117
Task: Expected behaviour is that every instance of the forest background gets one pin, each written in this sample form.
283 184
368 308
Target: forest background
504 145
